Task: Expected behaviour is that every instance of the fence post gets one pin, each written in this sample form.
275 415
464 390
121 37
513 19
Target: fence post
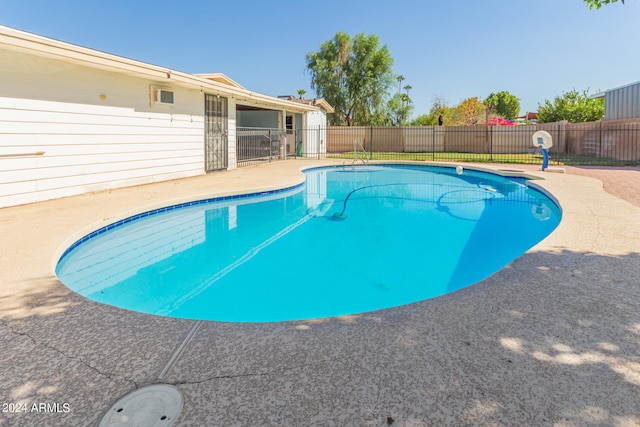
600 142
486 136
433 143
286 148
558 145
490 143
270 142
318 144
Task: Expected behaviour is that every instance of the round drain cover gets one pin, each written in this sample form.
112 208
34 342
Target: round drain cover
154 405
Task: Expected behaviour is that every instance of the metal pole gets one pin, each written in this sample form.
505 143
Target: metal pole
486 123
285 143
600 145
370 139
354 150
490 143
433 143
558 145
270 148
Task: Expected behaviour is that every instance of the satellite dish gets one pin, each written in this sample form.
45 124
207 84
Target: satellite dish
542 138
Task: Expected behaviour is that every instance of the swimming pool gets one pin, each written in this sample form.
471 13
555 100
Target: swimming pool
348 240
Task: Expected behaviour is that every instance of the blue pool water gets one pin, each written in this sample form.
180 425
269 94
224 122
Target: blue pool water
349 240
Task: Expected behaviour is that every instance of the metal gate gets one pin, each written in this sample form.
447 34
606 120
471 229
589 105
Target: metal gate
216 133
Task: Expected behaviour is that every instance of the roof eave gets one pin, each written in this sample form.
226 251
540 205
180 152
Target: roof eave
23 41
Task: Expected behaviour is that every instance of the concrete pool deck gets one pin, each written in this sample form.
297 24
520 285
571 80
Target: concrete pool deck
552 339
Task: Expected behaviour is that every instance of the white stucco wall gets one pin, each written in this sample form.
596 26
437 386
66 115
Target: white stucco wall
91 143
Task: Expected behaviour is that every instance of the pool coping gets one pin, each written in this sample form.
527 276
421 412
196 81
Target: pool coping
550 339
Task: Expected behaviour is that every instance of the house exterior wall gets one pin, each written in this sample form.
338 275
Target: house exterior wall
74 120
622 103
314 136
98 130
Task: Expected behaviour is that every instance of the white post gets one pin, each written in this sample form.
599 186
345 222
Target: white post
283 135
303 135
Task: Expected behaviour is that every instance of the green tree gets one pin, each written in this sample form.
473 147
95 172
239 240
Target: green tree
301 92
573 106
597 4
469 112
425 120
399 78
354 76
438 107
399 108
503 104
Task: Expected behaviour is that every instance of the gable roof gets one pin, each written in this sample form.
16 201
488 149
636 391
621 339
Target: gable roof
320 102
220 78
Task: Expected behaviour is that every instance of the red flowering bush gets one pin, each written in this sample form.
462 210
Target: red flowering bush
499 121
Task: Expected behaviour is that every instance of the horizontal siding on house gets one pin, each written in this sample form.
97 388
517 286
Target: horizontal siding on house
91 148
98 129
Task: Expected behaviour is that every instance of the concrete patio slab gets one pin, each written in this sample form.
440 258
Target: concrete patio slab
552 339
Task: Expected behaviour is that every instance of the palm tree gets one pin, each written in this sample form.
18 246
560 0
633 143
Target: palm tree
400 78
408 88
301 92
404 103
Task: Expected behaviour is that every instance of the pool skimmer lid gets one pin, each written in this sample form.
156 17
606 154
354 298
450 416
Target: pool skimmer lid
154 405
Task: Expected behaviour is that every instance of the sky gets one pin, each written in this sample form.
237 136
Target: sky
451 50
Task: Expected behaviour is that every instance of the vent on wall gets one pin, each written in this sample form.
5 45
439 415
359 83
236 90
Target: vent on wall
162 95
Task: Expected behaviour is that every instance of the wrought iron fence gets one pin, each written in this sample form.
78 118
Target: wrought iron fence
256 145
595 143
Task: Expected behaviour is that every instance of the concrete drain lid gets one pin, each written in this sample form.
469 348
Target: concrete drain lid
154 405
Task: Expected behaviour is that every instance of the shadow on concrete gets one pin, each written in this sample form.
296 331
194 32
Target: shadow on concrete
553 339
42 296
